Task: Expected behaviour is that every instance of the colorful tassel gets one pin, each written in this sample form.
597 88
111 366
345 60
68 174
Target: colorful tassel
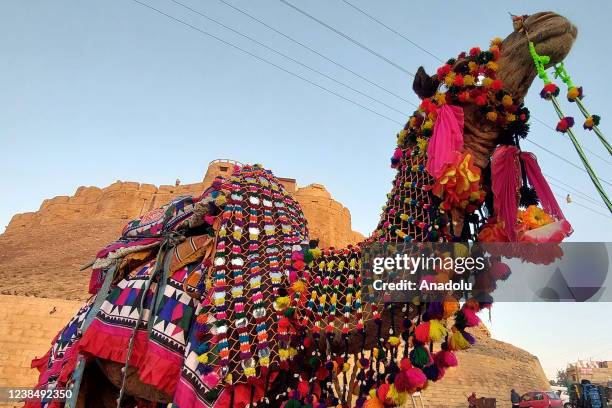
458 342
437 331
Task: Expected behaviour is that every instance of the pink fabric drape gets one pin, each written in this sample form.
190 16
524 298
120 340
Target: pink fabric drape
505 175
537 180
447 139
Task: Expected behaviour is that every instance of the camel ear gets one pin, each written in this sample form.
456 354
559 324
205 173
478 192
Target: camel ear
424 85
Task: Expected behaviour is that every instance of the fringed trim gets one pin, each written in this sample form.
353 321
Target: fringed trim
153 369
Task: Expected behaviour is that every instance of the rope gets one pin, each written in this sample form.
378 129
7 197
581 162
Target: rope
168 241
540 62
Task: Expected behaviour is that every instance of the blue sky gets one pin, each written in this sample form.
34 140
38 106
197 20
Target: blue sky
92 92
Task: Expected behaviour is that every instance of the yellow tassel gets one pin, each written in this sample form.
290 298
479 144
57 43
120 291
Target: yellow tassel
316 252
458 342
398 398
220 200
437 331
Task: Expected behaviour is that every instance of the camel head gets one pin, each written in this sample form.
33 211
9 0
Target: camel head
552 34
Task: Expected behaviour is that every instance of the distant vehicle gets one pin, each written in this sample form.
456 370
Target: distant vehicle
540 399
563 395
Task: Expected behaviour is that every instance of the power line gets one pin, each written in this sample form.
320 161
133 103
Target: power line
378 21
579 192
582 205
565 160
391 29
336 63
349 38
307 80
286 56
265 60
546 125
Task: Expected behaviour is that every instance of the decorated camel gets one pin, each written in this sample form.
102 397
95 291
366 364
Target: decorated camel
222 300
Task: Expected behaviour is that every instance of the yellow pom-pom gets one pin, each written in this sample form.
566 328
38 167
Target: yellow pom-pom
315 252
440 98
437 331
427 125
394 341
299 286
346 367
511 117
220 200
250 371
228 379
461 251
573 93
496 41
375 352
468 80
203 358
449 79
281 302
492 65
492 116
401 137
507 100
472 66
487 82
237 234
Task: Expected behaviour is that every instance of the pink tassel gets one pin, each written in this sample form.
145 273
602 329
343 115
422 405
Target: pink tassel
537 180
211 379
471 318
505 174
416 378
447 139
446 358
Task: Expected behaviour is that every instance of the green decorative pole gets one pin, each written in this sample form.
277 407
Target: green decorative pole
540 61
561 73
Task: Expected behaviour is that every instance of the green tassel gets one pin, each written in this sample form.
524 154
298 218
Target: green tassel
419 357
293 403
